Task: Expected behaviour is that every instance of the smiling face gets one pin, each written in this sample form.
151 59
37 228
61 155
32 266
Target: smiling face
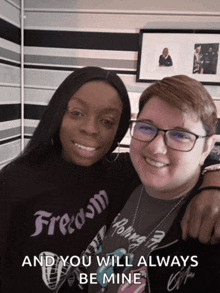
90 123
167 173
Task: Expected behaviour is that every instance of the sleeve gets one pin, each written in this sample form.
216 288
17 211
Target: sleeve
16 244
4 216
4 211
210 160
4 223
171 62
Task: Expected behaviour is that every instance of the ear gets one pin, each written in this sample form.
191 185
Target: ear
209 144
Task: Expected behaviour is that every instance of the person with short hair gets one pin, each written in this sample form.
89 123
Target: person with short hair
143 250
165 59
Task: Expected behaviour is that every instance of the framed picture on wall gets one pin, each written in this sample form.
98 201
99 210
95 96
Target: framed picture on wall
195 53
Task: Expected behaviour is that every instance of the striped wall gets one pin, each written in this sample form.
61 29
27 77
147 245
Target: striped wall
58 42
52 55
10 85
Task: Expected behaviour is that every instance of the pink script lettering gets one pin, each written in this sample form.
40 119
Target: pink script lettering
66 223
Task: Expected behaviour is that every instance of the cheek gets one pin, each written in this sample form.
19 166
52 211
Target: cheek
107 138
184 164
66 131
63 137
135 151
69 125
107 135
62 132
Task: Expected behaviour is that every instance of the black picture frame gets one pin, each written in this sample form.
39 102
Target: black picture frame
195 53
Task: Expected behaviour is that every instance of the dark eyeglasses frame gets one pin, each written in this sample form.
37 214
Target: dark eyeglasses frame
165 131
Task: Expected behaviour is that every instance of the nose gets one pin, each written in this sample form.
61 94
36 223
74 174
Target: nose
90 126
158 145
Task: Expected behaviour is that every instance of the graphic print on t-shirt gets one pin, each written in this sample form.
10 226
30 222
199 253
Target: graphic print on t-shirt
122 260
54 276
134 287
110 264
70 222
125 252
67 224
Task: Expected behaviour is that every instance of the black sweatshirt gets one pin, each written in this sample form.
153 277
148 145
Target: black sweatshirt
55 209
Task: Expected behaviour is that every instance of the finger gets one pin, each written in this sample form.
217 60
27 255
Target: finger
194 226
184 223
215 239
206 228
195 222
191 221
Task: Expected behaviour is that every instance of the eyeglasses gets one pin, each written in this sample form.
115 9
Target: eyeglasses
175 139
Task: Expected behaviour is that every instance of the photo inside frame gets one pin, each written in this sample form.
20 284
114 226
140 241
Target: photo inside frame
172 52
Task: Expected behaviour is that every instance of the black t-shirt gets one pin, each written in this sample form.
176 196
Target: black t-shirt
136 231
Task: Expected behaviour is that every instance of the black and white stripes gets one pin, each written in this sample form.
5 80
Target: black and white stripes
56 43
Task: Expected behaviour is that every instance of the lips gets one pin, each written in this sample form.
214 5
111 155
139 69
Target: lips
155 163
132 287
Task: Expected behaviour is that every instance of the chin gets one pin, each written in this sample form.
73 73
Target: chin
153 181
83 162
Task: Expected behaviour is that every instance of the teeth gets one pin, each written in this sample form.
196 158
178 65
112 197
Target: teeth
154 163
89 149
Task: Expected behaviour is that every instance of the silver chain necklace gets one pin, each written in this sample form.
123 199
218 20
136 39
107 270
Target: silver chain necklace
130 250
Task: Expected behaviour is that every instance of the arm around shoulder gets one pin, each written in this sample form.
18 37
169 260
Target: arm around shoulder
202 216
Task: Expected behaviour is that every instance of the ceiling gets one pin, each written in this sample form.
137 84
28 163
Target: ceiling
197 6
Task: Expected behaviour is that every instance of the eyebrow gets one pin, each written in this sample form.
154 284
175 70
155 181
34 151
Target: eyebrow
109 109
175 128
182 129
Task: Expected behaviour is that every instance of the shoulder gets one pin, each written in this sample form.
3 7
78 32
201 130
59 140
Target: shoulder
123 170
16 172
121 164
20 180
24 170
11 173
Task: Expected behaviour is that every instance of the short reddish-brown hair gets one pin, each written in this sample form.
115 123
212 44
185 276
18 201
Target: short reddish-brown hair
185 94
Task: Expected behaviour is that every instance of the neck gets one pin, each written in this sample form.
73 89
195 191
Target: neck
174 192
